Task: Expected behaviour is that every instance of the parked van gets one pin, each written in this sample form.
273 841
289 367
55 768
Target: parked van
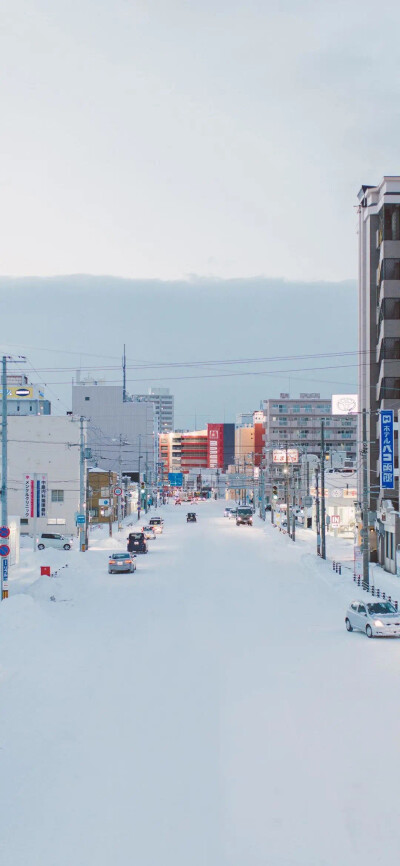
53 539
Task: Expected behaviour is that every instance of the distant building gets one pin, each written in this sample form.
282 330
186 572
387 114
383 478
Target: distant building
163 402
183 451
121 434
24 398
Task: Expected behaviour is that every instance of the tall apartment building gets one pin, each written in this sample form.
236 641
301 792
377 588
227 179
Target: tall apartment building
379 343
296 423
163 402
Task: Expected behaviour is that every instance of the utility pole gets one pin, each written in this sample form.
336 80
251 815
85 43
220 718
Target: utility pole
124 376
4 504
120 480
110 496
145 486
287 500
4 480
317 513
293 507
365 503
82 528
323 528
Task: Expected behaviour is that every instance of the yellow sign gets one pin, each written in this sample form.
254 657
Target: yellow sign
18 392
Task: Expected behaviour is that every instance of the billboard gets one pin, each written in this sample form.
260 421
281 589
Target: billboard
344 404
285 455
215 445
35 495
387 449
20 392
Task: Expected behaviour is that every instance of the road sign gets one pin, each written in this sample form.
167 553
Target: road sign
4 532
117 491
335 520
4 550
5 570
104 502
175 479
80 519
308 502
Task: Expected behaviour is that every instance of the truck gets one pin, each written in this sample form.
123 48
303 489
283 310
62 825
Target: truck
244 515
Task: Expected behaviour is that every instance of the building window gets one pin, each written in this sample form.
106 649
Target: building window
24 521
57 496
87 398
56 521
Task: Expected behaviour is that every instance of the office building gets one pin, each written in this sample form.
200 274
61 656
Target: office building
122 435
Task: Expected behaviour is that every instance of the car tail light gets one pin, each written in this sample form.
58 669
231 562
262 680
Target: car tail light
112 562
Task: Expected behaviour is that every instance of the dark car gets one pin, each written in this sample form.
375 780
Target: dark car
191 517
137 542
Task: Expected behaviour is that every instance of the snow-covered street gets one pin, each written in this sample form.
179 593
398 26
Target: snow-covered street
208 710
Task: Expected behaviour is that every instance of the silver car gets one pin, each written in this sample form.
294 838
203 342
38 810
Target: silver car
376 618
121 562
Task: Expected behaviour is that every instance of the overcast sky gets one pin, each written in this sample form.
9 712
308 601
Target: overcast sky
180 335
161 138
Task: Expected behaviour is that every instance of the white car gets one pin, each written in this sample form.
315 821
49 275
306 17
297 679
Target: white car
53 539
376 618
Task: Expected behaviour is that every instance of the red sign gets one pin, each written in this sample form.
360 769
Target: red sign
215 445
335 520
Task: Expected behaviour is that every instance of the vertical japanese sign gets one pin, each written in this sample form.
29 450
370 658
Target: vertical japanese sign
35 495
387 449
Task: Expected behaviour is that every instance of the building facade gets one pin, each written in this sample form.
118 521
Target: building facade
295 423
379 348
23 398
163 403
44 472
122 435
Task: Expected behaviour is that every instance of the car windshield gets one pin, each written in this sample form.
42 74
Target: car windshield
135 536
244 511
119 556
381 607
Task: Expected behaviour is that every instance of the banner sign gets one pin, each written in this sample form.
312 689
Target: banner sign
35 495
285 455
387 449
19 393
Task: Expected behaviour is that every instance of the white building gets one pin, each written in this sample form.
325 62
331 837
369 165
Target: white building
121 434
47 447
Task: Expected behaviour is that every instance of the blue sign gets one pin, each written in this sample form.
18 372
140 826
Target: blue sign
175 479
4 550
80 518
387 449
4 531
5 570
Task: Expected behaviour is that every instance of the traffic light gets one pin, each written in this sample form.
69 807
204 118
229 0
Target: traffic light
142 485
275 492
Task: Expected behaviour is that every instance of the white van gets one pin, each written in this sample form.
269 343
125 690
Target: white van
52 539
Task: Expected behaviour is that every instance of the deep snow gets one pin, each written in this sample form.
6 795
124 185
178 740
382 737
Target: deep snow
209 709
